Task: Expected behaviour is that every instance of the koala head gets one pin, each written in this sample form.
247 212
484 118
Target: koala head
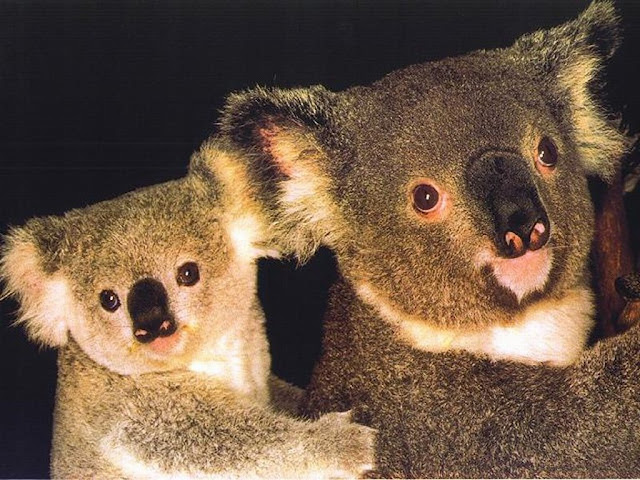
450 190
147 281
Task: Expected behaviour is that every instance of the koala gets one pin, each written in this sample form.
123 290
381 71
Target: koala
455 193
455 197
163 364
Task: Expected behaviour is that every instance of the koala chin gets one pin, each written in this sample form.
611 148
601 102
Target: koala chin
163 365
454 193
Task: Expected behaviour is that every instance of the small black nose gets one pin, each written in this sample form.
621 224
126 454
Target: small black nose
148 307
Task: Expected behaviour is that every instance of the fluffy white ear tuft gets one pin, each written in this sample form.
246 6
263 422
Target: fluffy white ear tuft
44 297
572 57
600 143
281 133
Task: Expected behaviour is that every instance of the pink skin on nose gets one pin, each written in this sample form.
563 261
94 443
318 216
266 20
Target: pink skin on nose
536 238
529 269
161 344
164 344
523 274
515 242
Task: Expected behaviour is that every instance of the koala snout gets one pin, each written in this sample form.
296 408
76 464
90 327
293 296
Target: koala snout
505 187
148 307
520 221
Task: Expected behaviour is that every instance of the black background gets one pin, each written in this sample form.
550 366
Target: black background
97 98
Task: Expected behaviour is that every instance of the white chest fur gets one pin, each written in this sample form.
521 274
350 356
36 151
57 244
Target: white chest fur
551 331
239 357
238 372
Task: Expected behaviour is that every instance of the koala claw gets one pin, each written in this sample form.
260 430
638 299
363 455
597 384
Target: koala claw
353 443
628 286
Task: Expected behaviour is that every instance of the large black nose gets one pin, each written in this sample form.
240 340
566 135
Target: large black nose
148 307
505 187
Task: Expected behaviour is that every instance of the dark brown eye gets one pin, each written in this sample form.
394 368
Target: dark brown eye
188 274
109 300
425 198
547 153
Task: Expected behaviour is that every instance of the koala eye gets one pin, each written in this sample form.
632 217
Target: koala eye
425 198
547 153
109 300
188 274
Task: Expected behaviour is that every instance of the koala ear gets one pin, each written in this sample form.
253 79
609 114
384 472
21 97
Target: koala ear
282 133
571 57
592 37
29 268
276 124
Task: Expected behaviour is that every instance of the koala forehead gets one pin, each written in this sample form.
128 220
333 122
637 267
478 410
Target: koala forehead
143 233
431 121
446 112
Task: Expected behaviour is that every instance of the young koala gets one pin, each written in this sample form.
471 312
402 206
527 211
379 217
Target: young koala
163 360
455 197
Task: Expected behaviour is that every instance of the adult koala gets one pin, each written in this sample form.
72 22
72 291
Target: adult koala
455 196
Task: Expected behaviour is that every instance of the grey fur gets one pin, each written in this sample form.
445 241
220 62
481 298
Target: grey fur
201 407
459 415
341 173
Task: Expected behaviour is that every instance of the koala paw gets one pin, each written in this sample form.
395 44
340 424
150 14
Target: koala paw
352 445
628 286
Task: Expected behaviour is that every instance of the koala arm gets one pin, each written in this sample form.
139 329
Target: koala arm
285 397
187 428
455 414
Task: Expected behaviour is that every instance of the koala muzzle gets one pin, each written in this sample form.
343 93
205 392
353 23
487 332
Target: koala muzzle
504 186
148 307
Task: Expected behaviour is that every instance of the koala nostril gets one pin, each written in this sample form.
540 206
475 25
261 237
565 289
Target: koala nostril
515 245
143 336
538 236
164 328
168 327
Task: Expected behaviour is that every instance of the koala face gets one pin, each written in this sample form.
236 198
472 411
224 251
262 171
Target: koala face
496 206
144 281
454 192
158 279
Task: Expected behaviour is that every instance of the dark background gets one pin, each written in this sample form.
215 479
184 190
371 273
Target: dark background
98 98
